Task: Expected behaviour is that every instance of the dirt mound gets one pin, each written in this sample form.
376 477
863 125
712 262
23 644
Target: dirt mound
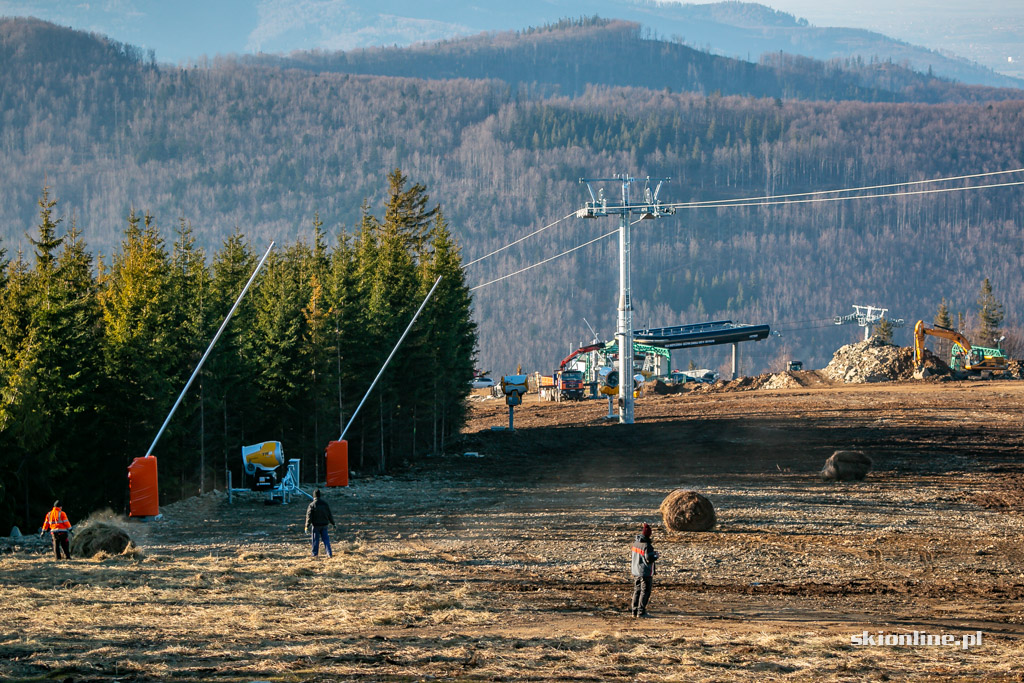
97 537
873 361
687 511
783 380
741 383
846 466
661 388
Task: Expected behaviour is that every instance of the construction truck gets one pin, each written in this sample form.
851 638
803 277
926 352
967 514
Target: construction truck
566 385
964 356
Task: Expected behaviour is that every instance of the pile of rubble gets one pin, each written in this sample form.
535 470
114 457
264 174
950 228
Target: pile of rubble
871 361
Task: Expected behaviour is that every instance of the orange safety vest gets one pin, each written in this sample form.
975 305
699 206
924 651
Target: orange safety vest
56 520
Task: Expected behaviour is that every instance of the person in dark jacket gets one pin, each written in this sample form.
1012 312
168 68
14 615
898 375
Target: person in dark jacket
318 516
643 559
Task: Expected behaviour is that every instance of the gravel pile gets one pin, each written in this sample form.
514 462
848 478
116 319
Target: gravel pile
871 361
783 380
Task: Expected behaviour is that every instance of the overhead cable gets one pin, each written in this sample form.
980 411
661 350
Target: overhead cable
525 237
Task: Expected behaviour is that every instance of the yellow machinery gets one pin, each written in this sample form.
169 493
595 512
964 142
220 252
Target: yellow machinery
963 355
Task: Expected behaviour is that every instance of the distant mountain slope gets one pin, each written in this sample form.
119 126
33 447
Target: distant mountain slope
192 28
574 54
749 30
263 149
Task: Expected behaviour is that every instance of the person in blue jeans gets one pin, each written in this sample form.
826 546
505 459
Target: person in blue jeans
318 516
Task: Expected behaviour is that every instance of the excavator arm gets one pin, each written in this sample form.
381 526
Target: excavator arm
920 330
972 357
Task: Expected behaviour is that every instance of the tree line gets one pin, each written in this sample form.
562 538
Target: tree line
94 351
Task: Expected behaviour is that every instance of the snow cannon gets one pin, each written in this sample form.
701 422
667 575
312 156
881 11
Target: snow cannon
261 461
513 386
609 381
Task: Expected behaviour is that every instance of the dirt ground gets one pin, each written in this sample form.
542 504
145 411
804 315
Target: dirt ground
508 559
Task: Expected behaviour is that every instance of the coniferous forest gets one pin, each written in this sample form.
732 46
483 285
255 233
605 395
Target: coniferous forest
93 353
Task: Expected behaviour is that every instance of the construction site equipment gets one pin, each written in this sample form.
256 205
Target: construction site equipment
149 505
144 493
337 463
568 383
963 354
262 461
513 386
795 366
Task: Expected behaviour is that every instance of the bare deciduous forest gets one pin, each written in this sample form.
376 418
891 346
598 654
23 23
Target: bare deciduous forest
501 128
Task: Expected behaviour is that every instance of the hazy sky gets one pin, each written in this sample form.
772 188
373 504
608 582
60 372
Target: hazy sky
990 33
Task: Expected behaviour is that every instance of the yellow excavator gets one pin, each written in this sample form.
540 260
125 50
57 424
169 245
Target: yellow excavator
963 355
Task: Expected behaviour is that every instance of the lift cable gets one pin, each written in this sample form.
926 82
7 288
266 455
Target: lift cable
512 244
782 200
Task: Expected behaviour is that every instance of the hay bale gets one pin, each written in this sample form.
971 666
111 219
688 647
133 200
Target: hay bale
99 537
687 511
846 466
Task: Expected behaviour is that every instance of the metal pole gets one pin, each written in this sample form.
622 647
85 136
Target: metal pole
625 331
735 360
510 426
209 349
383 367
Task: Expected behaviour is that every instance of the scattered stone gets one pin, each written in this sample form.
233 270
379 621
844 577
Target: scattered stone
687 511
782 380
846 466
876 361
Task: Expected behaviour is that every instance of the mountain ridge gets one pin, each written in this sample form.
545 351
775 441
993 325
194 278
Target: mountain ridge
264 149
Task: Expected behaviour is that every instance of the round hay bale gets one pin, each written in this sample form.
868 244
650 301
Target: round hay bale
846 466
687 511
99 537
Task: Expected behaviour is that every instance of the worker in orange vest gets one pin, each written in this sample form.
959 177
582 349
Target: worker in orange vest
59 526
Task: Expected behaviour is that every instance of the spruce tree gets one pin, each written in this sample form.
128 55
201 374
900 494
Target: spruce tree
942 317
392 302
191 330
883 331
451 334
138 355
990 315
230 370
407 213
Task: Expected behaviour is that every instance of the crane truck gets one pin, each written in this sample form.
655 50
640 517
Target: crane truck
963 354
567 384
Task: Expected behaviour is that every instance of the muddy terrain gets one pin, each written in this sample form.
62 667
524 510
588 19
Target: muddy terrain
507 559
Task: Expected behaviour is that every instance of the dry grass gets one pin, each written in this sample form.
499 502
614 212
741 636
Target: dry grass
524 576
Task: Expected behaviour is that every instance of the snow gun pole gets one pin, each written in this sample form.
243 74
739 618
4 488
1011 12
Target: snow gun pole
400 340
210 348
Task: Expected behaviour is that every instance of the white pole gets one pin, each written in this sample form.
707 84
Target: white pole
625 331
208 349
383 367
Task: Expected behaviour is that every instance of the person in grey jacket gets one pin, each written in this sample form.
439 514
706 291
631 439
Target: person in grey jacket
318 516
643 558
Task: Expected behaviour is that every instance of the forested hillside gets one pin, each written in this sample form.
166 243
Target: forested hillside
263 148
572 55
